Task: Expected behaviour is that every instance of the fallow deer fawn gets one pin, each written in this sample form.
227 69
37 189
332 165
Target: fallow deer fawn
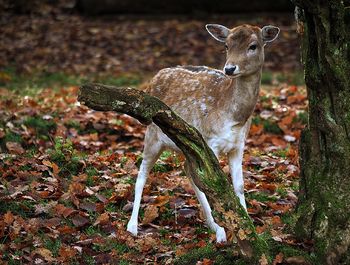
218 103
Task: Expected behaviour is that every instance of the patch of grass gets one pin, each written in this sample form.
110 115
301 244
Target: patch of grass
123 161
202 230
220 257
111 207
30 84
281 152
107 192
266 78
12 137
41 126
161 167
24 82
265 98
261 197
289 251
295 186
292 78
91 172
12 258
282 191
89 260
23 208
65 156
302 117
93 230
117 122
281 78
73 124
298 78
269 125
124 262
123 80
53 245
110 244
290 219
165 155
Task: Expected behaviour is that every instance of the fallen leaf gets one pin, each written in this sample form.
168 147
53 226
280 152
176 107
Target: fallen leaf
122 191
8 218
64 211
151 213
147 243
102 219
263 260
161 200
66 253
80 221
242 234
278 259
15 148
45 253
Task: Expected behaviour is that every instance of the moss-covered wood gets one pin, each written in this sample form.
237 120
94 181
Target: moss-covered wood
324 199
200 160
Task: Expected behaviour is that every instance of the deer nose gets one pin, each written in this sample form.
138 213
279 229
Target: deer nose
230 69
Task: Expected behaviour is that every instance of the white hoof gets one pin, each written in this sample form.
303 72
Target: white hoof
132 228
220 235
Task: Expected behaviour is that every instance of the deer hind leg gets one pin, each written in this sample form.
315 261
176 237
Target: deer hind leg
151 153
235 161
220 231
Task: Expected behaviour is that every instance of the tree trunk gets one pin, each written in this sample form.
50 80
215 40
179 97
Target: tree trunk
324 199
200 160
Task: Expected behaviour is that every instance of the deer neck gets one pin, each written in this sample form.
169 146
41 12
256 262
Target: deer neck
244 95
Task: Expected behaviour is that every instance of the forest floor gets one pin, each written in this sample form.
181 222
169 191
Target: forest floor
67 173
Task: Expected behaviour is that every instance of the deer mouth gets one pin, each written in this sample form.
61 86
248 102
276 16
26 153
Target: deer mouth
233 76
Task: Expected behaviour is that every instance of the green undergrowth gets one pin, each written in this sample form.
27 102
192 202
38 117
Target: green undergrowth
23 208
221 257
269 125
25 84
65 156
292 78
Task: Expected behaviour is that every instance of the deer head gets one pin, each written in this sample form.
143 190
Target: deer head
244 46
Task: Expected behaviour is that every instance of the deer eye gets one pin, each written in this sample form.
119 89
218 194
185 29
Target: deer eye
252 47
226 47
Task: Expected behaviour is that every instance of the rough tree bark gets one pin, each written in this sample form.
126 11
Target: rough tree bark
324 199
200 160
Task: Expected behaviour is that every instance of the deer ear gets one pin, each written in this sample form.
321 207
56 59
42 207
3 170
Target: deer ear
269 33
218 32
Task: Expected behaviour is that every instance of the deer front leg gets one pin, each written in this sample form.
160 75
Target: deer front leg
235 161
